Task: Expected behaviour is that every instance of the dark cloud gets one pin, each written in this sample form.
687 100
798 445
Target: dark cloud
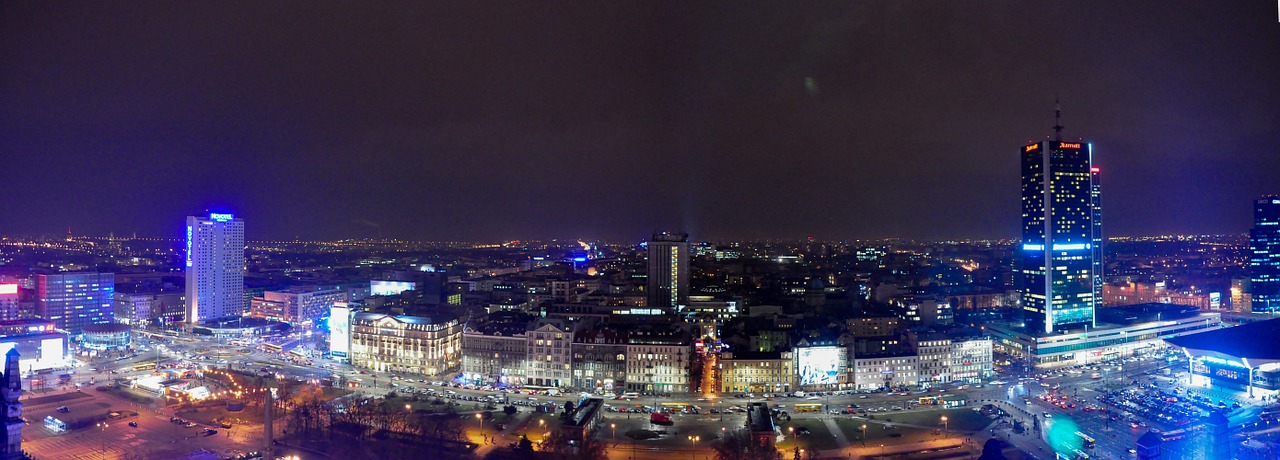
543 119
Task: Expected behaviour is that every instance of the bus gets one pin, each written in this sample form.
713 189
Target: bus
1271 414
271 347
808 408
1173 435
145 366
1089 442
1080 455
931 401
629 396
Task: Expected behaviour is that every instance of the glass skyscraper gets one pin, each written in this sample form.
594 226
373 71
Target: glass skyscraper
1061 266
1264 255
75 300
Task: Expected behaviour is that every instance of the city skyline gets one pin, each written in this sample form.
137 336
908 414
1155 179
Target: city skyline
441 123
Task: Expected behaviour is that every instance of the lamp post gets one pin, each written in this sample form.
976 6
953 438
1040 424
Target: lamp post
695 440
864 434
944 424
103 426
614 427
481 419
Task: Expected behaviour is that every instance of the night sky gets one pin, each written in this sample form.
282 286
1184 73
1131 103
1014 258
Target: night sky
520 120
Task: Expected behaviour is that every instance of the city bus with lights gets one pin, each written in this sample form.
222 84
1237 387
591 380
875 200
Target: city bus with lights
1088 441
272 348
1270 414
145 366
808 407
930 401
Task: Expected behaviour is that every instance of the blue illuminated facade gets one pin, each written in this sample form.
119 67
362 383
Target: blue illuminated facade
1060 273
1264 255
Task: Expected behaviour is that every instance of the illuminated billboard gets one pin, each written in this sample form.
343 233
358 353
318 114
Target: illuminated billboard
380 287
819 365
339 330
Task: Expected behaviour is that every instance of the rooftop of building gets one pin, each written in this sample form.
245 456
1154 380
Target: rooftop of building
108 328
1249 341
759 420
407 319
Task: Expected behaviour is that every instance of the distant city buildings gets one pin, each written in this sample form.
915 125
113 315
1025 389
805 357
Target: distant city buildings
75 300
668 285
301 306
1264 255
215 266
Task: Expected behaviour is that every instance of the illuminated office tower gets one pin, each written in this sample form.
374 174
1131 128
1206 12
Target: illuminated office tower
215 267
1058 234
668 272
1264 255
1099 259
75 300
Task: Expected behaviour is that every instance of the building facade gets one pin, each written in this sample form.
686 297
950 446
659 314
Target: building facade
9 302
1264 256
874 372
494 356
75 300
599 360
150 308
971 360
756 372
658 360
549 361
214 267
1057 255
1083 348
406 344
668 283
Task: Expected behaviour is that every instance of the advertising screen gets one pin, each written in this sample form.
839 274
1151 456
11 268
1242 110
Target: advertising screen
379 287
819 365
339 331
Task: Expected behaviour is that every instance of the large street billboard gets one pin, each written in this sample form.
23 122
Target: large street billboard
819 365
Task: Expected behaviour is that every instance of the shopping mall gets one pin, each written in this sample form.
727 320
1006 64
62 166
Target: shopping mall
1122 331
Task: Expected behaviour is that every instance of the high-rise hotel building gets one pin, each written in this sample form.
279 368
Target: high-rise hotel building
668 283
1061 271
215 267
1264 255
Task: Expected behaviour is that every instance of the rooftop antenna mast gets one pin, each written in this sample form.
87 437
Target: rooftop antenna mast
1057 120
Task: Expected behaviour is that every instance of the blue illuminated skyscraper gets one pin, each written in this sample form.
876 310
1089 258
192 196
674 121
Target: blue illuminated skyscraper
214 267
1061 225
1264 255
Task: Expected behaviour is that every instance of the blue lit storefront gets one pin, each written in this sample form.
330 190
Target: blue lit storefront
1243 358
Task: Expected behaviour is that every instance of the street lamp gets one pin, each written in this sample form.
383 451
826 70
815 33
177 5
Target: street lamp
481 419
944 424
695 440
864 434
614 427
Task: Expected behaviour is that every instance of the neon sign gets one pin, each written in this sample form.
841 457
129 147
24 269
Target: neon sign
188 245
1064 145
226 217
8 289
1031 148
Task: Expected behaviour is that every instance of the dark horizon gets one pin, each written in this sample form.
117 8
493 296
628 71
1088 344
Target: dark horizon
492 122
